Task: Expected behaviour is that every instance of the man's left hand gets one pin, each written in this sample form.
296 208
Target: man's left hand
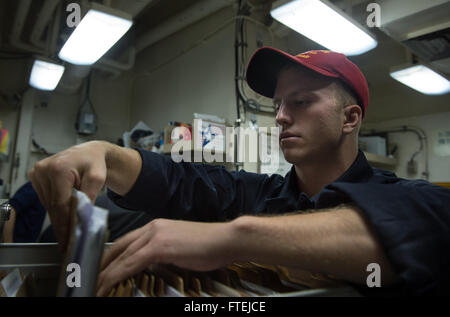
190 245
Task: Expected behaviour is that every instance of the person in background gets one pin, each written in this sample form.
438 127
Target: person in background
28 224
27 216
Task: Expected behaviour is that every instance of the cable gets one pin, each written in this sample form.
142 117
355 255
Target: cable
82 108
88 93
240 53
242 100
236 65
39 148
13 97
259 24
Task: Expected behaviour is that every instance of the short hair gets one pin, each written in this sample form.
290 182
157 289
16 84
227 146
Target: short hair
343 95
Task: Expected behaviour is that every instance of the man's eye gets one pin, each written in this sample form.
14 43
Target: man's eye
299 102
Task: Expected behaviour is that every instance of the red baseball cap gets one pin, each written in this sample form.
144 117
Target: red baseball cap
266 63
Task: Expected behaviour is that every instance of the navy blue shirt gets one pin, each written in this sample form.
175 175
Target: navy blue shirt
411 218
30 214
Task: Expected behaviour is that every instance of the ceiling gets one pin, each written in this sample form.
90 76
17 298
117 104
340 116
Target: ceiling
389 99
158 11
401 22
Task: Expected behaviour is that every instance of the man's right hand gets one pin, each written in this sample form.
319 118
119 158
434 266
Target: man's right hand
82 167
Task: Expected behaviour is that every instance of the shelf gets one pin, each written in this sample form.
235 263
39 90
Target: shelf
380 161
447 185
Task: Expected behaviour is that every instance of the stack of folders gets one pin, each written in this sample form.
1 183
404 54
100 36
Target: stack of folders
236 280
16 284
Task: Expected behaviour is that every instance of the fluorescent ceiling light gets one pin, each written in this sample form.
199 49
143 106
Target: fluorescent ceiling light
324 24
422 79
45 75
97 32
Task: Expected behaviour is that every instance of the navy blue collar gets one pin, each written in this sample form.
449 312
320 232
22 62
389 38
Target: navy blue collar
359 171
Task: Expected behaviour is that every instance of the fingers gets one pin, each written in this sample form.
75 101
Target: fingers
120 246
60 197
93 180
81 167
119 272
43 186
38 187
133 259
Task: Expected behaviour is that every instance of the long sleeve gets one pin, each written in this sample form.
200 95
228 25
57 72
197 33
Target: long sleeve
193 191
412 222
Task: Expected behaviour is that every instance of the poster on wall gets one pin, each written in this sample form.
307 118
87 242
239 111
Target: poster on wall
441 142
4 143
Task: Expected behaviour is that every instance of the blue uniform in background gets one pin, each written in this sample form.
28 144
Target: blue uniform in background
411 218
30 214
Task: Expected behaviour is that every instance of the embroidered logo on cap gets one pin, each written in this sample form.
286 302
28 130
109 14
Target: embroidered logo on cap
306 54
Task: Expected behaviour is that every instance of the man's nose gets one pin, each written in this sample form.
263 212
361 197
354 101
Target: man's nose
283 117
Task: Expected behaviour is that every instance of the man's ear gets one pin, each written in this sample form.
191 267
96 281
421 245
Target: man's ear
352 117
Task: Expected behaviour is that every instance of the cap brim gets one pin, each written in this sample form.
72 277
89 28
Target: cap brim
264 66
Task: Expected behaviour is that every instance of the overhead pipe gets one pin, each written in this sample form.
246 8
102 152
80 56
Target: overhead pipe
45 16
73 78
114 73
55 31
69 83
131 57
133 8
74 75
23 9
193 14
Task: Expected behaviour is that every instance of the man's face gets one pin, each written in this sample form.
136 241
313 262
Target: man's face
307 112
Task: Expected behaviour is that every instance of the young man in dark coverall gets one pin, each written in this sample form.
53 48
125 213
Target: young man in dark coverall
361 215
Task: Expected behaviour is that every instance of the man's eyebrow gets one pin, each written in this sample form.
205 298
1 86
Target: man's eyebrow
296 92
